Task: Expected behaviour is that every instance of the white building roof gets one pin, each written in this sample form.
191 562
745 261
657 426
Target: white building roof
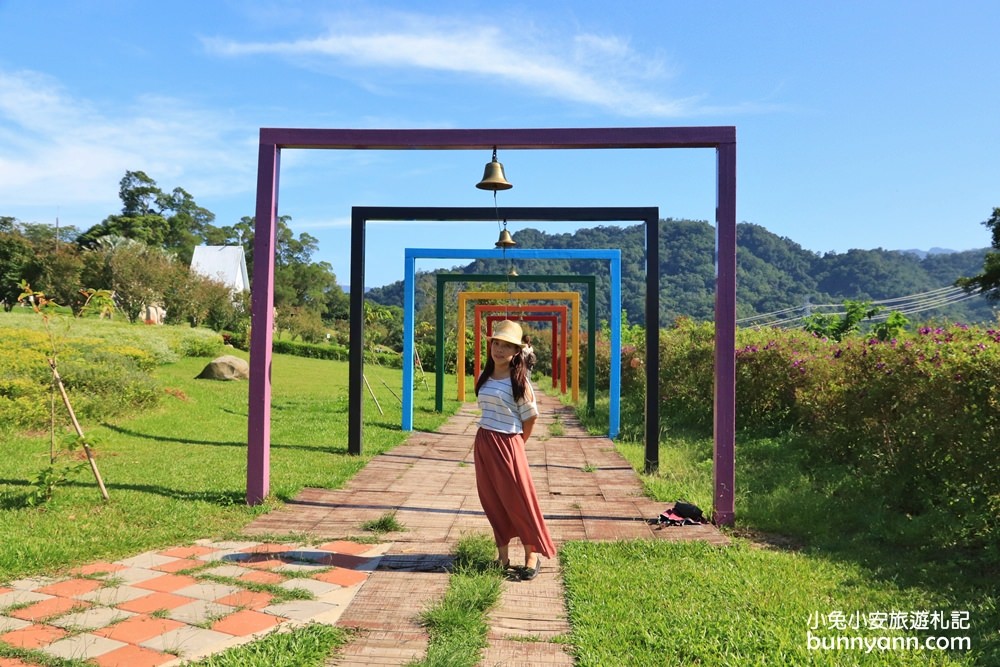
225 263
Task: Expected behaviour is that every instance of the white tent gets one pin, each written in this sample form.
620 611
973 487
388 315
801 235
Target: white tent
225 263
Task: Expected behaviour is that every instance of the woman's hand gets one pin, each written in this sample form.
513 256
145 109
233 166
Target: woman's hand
528 426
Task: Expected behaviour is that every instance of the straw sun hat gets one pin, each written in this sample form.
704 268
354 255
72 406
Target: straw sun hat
508 332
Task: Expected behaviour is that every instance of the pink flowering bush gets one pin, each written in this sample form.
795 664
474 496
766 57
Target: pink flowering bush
921 413
686 374
774 368
916 417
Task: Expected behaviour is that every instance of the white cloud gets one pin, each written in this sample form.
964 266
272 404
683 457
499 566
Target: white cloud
597 70
58 150
330 223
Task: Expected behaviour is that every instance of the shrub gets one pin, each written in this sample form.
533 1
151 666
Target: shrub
686 374
915 418
106 383
104 365
200 343
310 350
23 401
335 352
772 369
921 413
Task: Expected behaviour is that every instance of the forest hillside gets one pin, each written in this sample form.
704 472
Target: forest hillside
773 274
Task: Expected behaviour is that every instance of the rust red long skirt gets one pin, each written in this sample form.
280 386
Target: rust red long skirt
507 491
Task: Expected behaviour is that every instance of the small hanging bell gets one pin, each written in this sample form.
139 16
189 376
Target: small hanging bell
493 176
505 241
512 273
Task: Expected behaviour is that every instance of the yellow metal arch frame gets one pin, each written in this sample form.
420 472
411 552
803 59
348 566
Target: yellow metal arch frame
463 299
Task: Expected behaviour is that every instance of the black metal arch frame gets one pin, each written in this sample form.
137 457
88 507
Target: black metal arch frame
648 216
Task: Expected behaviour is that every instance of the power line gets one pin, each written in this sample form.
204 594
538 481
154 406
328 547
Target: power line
950 288
913 303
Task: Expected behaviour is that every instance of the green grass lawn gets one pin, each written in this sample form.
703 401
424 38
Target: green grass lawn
178 472
664 603
804 545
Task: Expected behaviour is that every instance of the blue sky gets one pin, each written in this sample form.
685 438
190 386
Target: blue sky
863 125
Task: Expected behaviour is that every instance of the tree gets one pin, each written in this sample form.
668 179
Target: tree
138 193
45 234
188 224
16 254
56 270
987 282
197 300
831 326
378 321
303 323
242 233
171 221
137 274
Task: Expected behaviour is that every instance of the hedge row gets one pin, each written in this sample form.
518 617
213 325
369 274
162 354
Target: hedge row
334 352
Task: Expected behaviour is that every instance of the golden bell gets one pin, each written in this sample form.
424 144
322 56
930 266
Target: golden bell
493 176
505 240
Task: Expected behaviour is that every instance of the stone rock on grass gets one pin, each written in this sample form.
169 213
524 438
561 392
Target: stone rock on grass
226 367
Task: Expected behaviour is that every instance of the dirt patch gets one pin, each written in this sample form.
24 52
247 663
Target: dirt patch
762 540
176 393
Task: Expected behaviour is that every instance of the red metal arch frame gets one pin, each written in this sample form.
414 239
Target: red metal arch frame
722 139
552 320
560 312
556 356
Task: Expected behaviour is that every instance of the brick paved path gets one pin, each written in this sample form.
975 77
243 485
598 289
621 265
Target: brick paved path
167 607
587 492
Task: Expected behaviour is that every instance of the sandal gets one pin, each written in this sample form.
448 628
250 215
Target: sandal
529 573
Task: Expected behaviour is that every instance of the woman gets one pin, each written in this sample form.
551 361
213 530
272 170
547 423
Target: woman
506 490
528 354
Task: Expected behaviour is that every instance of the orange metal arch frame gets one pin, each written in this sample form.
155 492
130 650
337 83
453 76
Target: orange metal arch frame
553 320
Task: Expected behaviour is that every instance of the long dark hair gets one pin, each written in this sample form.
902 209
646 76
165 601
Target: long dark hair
518 373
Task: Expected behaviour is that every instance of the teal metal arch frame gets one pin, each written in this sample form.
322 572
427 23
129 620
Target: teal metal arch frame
444 278
612 256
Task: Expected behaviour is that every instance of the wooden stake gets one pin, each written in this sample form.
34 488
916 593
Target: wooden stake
79 431
423 377
373 395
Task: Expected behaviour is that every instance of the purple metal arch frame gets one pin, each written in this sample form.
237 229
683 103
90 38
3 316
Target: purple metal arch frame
273 140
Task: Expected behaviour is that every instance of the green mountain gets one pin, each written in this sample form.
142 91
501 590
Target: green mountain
773 274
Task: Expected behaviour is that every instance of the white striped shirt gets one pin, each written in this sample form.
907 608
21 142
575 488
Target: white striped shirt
500 412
